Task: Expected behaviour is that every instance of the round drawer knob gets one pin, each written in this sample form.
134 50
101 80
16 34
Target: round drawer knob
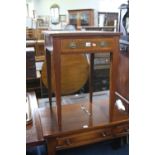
103 134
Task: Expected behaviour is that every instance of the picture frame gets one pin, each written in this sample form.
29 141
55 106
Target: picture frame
62 18
43 21
55 12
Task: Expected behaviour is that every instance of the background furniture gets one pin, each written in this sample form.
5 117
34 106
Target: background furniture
43 22
108 21
33 82
30 63
81 17
35 38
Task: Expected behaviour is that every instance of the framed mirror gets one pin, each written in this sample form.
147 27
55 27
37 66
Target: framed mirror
54 11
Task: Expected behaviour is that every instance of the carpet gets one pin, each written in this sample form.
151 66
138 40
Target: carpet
110 147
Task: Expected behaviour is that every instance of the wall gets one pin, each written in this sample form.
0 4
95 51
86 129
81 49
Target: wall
42 7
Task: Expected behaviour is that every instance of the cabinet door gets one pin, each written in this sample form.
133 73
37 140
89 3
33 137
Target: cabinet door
73 18
84 18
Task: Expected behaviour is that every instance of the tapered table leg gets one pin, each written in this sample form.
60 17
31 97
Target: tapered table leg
57 74
49 75
91 71
51 146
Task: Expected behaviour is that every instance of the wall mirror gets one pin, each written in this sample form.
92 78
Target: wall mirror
54 11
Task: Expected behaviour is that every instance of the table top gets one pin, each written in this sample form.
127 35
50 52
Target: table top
75 118
81 33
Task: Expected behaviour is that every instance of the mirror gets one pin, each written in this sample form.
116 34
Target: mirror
54 11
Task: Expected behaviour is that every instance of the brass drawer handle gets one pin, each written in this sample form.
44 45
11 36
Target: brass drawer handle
103 134
104 44
72 45
68 142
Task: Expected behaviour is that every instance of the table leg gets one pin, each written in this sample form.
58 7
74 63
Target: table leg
91 70
48 64
57 74
51 146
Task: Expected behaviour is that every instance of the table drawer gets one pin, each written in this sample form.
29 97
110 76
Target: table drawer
120 129
79 139
92 44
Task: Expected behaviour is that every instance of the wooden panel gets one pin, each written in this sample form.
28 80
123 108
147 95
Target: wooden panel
95 44
83 138
74 73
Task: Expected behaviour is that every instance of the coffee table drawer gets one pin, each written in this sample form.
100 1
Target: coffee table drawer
83 138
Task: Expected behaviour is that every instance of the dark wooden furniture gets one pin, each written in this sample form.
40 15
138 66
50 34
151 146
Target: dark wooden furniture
32 75
34 135
109 19
34 85
30 63
67 126
81 17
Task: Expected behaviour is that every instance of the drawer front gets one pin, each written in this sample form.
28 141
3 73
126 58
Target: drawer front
120 129
74 140
88 45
